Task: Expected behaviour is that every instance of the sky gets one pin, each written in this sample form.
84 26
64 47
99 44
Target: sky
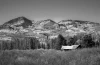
88 10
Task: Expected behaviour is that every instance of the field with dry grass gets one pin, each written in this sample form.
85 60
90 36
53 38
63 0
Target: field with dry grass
88 56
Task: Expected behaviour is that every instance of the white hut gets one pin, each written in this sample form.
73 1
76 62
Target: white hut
69 47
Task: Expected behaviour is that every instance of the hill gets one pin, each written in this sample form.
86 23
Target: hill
46 24
17 22
64 27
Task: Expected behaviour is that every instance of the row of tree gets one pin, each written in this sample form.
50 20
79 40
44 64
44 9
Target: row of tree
20 43
24 43
84 40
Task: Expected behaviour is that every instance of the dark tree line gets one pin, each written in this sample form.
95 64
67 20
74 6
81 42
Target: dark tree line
56 43
20 43
84 40
32 43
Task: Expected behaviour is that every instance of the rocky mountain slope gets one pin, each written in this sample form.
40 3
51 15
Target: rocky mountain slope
64 27
46 24
17 22
85 25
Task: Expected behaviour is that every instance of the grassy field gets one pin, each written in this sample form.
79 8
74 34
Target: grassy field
88 56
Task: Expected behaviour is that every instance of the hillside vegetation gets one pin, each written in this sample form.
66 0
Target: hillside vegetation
26 43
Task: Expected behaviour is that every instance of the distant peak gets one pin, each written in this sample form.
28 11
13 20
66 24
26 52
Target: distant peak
49 19
17 22
21 17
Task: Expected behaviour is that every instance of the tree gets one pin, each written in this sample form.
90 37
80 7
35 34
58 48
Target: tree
59 42
87 41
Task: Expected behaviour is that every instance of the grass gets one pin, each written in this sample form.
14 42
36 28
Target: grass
87 56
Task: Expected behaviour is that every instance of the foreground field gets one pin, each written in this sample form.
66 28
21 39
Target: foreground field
90 56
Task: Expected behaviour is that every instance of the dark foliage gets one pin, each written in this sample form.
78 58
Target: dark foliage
20 43
59 42
23 43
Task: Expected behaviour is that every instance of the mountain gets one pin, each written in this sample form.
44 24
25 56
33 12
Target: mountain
17 22
78 24
46 24
64 27
69 22
73 27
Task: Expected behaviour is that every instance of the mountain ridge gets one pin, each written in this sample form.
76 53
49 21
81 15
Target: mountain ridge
49 24
19 21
